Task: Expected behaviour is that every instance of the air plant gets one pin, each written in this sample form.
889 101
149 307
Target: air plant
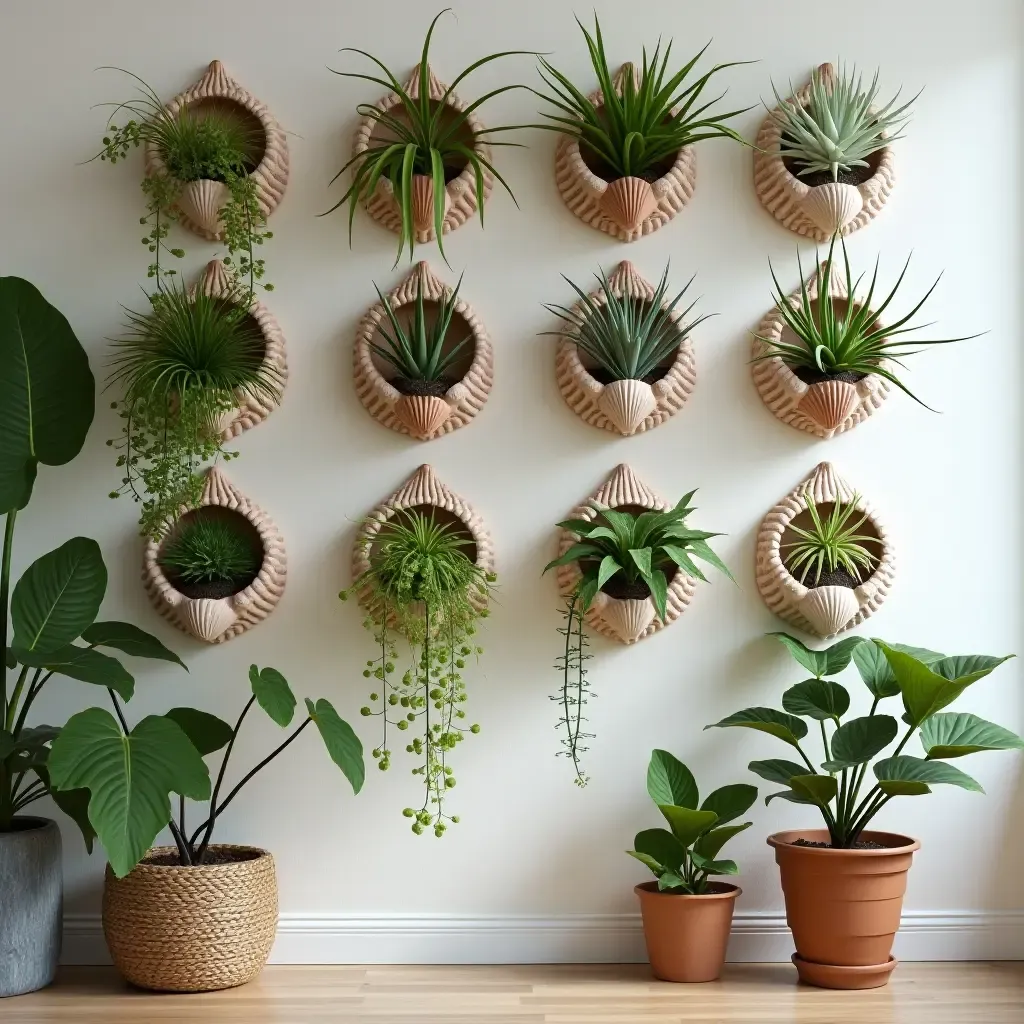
204 550
832 543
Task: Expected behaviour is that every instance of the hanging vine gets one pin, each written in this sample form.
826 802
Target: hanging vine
575 689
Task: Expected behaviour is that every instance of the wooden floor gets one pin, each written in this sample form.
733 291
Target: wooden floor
985 993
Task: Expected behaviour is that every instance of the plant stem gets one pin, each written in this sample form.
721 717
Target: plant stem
120 713
12 707
824 741
184 854
5 593
34 689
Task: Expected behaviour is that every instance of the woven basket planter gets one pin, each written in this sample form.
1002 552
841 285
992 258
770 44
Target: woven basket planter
200 202
823 611
817 211
422 416
625 208
192 929
625 406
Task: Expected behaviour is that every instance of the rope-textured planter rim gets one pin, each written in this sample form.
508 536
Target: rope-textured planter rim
816 211
217 620
200 203
625 407
625 621
460 192
202 928
627 208
423 417
822 611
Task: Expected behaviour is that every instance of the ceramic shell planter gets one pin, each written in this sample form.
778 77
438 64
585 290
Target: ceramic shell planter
624 620
823 611
817 211
200 202
625 406
216 620
824 408
625 208
423 416
460 193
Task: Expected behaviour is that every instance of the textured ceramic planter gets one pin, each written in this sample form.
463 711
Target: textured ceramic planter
200 202
625 208
687 936
625 406
460 202
31 905
816 211
192 929
843 906
216 620
423 417
624 620
823 611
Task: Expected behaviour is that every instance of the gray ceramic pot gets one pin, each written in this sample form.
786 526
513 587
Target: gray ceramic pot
31 896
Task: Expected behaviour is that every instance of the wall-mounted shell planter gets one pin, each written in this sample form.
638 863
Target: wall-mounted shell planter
208 615
625 208
252 409
817 210
201 201
624 619
424 416
824 610
625 406
460 193
825 406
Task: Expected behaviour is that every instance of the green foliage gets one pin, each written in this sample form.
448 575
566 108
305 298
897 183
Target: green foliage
927 682
626 337
831 543
644 125
204 550
685 855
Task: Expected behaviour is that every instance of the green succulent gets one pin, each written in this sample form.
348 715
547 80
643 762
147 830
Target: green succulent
832 542
206 550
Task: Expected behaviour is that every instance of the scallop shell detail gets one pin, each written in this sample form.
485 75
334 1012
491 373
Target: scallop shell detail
460 204
270 176
614 618
421 415
807 209
219 620
423 203
201 202
829 402
381 399
619 413
822 611
586 194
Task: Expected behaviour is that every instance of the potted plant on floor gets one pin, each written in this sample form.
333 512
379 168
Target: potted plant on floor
844 884
196 916
687 917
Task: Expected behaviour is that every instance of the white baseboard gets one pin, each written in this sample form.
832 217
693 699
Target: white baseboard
582 938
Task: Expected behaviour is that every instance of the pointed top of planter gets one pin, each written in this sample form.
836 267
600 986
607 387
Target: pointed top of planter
219 490
627 68
824 484
422 488
627 281
435 86
624 487
216 79
422 275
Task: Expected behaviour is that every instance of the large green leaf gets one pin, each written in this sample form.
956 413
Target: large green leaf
206 732
820 699
875 670
687 824
860 739
819 789
777 769
965 669
669 781
273 694
729 802
709 844
342 743
791 795
648 860
785 727
715 867
948 734
73 802
47 391
912 776
662 846
58 596
828 662
129 778
123 636
84 664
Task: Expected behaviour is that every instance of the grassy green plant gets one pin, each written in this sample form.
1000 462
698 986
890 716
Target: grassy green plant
204 550
422 136
927 682
628 338
685 855
836 336
832 542
639 129
422 587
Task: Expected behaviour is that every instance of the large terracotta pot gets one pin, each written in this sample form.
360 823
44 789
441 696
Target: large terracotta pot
686 935
843 906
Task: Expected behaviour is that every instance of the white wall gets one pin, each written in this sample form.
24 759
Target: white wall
354 881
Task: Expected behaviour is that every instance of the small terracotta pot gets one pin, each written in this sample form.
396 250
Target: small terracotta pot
843 906
686 936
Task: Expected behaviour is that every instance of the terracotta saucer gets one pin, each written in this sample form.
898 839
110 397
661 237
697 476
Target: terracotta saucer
831 976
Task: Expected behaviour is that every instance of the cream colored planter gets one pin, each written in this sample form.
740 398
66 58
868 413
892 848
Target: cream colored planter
816 211
200 202
624 620
823 611
422 416
625 406
460 193
216 620
626 208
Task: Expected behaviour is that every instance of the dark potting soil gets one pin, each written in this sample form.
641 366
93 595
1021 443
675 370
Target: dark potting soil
829 846
601 374
837 578
213 590
418 386
213 856
854 176
623 590
604 170
815 376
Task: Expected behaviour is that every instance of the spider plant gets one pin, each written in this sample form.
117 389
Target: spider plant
844 336
626 337
831 543
423 137
646 123
206 550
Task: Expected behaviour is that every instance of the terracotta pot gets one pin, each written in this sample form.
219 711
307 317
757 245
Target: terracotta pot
686 936
843 906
